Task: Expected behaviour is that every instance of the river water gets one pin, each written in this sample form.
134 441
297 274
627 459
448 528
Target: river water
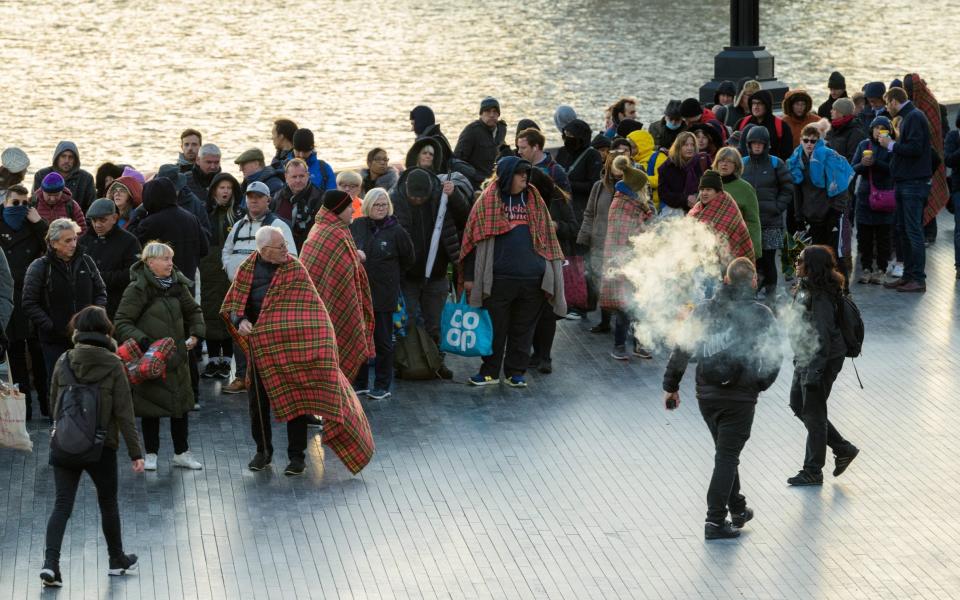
123 78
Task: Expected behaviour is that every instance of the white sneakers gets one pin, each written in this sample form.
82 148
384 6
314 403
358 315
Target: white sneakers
186 461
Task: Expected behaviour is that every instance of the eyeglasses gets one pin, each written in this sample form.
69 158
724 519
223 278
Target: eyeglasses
380 205
809 140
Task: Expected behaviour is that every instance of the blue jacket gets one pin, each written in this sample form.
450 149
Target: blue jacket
321 174
911 151
880 174
268 175
828 170
951 159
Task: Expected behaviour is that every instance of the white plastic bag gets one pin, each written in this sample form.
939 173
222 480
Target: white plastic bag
13 417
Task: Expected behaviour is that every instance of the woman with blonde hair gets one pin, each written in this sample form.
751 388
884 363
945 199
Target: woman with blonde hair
679 175
386 251
158 304
729 164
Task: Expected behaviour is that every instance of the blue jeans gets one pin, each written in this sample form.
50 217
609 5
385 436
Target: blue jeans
911 200
956 229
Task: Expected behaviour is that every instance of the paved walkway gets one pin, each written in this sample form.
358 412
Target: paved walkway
581 486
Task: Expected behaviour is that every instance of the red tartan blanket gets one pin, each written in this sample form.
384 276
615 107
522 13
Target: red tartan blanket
626 219
489 219
331 258
924 99
723 216
295 352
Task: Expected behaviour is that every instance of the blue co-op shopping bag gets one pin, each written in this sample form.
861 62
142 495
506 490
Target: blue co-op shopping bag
466 330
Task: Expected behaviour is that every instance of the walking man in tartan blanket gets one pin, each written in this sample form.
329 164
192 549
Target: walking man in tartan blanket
334 263
720 212
276 317
513 266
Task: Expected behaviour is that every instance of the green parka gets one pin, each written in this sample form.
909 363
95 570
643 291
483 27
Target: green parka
147 313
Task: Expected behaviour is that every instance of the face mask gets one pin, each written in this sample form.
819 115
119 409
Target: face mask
13 216
571 143
671 125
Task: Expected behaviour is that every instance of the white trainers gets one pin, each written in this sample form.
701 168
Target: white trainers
186 461
150 462
897 271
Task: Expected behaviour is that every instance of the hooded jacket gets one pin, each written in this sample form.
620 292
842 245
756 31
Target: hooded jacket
585 162
149 312
795 123
65 208
93 360
770 178
462 188
822 181
781 137
169 223
433 131
81 184
54 291
479 145
114 254
213 278
740 340
877 175
649 160
820 312
21 247
187 198
135 189
419 221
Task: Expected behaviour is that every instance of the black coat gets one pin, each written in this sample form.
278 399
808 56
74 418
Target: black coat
478 145
114 254
50 302
21 248
197 181
306 203
418 221
389 253
171 224
846 139
586 171
820 312
561 213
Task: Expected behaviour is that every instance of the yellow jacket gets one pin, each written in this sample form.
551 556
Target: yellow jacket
647 162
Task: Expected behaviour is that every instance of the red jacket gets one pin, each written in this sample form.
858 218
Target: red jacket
65 208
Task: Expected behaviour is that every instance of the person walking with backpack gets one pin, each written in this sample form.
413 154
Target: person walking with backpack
738 357
91 372
156 305
818 297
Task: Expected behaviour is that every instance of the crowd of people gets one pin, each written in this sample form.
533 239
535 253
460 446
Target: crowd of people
291 275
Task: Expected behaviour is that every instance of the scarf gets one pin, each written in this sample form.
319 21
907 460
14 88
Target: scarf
924 100
723 216
165 282
14 216
330 256
489 219
839 123
294 350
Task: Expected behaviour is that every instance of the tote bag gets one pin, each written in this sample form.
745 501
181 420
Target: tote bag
466 330
13 417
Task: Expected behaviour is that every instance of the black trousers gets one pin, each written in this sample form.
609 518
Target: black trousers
514 306
219 348
828 233
873 244
729 422
543 335
179 430
767 269
809 404
261 427
17 353
66 481
383 343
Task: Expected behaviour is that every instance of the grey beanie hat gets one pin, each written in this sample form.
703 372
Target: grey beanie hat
15 160
562 116
489 102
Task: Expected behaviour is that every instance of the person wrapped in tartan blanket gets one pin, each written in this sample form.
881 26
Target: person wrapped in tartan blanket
330 256
274 314
718 210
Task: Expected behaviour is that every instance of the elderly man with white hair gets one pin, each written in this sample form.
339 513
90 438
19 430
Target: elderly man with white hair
205 168
277 319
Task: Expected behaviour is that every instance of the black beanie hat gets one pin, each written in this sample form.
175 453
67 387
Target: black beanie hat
711 179
690 108
336 201
419 184
837 81
601 141
672 111
527 124
628 126
489 102
303 140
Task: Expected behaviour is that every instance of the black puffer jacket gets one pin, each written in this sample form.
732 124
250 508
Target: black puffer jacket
54 291
770 177
389 253
21 248
586 162
479 145
739 354
114 254
418 221
168 223
298 210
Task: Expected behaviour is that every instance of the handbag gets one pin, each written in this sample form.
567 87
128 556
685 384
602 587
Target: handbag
400 317
466 330
884 201
13 417
575 283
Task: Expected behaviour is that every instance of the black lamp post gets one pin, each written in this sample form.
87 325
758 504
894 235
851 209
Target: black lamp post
744 58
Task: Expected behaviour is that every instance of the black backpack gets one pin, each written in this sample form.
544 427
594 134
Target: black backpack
77 438
851 325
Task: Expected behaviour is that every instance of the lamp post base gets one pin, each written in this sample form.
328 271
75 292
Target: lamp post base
744 62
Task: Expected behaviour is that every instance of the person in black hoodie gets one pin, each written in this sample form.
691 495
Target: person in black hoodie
815 369
167 222
23 238
582 163
761 113
738 357
112 248
57 285
186 198
386 252
480 141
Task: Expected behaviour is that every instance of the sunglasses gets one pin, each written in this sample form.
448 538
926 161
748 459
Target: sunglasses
16 202
809 141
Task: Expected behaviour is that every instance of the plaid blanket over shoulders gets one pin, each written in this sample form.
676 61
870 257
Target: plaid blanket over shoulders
294 350
924 99
488 218
626 219
330 256
723 216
